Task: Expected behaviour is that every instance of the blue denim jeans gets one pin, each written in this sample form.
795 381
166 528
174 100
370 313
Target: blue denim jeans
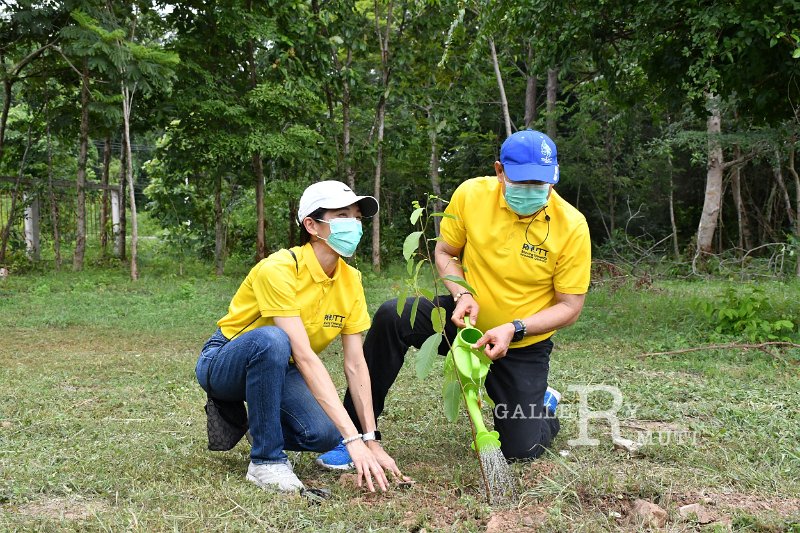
282 412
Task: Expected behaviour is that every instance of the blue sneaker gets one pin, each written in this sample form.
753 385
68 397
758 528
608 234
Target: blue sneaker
551 399
336 459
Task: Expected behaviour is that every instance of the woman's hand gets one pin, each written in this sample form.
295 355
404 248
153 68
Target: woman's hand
366 465
386 461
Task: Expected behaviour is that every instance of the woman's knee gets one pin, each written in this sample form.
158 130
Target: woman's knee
269 343
323 438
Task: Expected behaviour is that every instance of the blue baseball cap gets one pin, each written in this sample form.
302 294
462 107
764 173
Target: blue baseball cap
530 155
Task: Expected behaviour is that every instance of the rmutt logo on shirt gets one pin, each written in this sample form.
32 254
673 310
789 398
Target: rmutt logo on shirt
534 252
333 321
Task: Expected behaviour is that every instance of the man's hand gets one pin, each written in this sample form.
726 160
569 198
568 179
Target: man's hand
496 341
466 305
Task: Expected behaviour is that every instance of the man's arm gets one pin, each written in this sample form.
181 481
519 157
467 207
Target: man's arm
448 262
564 313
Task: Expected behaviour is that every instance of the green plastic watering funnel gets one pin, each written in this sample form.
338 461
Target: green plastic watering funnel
472 366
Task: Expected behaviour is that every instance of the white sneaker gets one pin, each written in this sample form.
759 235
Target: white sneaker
274 476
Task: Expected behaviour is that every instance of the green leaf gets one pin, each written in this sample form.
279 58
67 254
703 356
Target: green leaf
416 214
427 355
427 293
438 317
411 244
414 310
444 215
451 393
410 266
460 281
419 266
401 301
796 53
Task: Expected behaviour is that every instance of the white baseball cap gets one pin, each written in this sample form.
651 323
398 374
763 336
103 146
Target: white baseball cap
333 195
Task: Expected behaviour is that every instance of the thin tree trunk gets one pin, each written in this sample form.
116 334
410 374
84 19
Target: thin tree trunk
349 172
7 86
530 91
552 90
80 237
433 169
376 220
261 243
123 188
104 204
766 226
292 225
15 198
11 77
796 177
258 164
383 42
219 228
610 198
777 172
745 241
53 201
675 247
713 193
127 100
501 87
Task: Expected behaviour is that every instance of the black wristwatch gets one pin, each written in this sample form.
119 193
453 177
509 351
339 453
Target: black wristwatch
519 330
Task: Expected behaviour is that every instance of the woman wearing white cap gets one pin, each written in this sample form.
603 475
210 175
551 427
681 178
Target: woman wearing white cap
287 310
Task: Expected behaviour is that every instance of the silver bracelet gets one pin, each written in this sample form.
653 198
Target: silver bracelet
351 439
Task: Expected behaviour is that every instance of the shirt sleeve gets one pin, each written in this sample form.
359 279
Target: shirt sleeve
453 230
275 287
573 270
358 320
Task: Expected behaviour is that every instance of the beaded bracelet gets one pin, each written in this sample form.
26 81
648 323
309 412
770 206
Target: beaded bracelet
351 439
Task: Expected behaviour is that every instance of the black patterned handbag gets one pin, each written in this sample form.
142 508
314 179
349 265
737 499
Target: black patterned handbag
226 423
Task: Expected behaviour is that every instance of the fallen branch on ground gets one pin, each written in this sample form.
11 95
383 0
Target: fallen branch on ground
762 346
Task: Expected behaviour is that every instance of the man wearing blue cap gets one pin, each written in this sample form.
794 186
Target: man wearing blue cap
527 254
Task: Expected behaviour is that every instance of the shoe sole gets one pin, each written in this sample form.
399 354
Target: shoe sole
273 487
348 466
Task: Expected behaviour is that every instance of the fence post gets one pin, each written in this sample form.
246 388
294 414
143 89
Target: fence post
115 220
32 228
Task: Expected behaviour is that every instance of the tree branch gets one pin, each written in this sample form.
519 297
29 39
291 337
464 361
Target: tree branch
734 345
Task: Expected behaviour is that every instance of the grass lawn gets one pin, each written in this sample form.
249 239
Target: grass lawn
102 424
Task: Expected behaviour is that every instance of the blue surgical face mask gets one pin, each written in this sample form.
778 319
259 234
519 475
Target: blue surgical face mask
526 199
345 235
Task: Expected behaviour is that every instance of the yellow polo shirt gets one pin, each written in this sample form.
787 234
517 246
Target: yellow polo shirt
515 264
277 286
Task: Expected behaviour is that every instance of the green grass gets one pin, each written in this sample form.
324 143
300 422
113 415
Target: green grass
102 427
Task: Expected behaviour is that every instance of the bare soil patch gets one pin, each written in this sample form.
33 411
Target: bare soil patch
61 508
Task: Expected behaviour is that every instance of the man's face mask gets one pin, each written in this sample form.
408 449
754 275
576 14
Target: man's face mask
345 235
524 198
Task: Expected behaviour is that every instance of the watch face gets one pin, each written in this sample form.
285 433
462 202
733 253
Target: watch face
519 331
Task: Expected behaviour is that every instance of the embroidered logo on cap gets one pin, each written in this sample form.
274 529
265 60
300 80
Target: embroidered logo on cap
547 153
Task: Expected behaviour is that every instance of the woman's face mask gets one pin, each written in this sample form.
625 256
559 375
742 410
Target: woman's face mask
526 198
345 235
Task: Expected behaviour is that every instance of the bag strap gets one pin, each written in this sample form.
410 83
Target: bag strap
297 268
